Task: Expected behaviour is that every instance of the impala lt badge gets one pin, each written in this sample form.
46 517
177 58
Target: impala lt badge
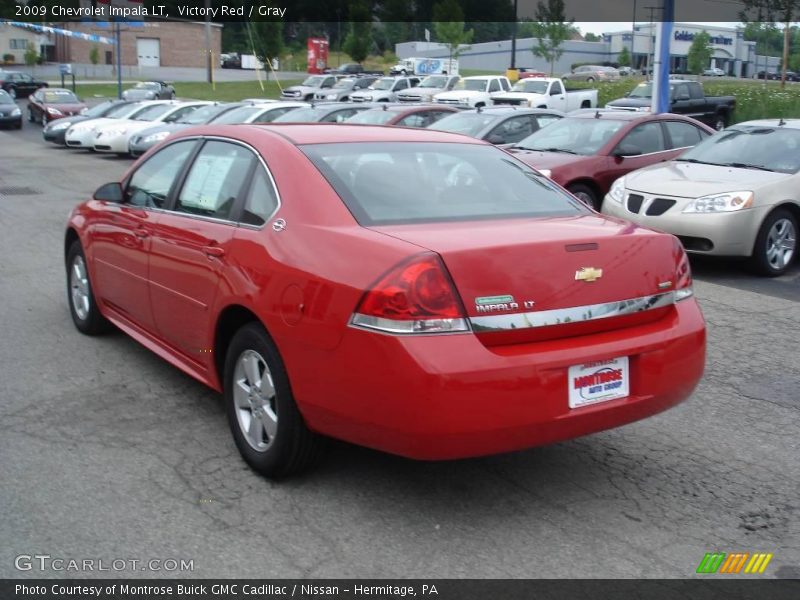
588 274
484 304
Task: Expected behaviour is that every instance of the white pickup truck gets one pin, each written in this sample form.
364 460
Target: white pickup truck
547 93
474 91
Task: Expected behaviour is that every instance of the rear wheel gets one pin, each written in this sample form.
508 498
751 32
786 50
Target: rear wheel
585 194
267 426
590 79
82 305
775 244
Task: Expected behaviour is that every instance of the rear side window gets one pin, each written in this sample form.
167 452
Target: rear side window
261 200
386 182
683 135
646 138
150 184
215 180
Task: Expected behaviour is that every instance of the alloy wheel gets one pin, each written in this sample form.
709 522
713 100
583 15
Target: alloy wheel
255 401
79 288
781 243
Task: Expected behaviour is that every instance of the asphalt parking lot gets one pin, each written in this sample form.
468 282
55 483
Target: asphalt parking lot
110 453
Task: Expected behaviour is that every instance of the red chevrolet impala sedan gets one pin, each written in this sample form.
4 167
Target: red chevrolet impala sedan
408 290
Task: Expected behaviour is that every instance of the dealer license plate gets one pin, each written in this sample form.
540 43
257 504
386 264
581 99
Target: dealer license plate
599 381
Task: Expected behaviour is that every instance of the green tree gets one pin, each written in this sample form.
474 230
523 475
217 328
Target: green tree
624 58
268 39
591 37
31 55
94 55
359 39
770 11
551 29
448 25
700 53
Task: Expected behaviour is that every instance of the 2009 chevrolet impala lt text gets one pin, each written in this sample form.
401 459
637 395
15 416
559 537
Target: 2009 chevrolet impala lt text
412 291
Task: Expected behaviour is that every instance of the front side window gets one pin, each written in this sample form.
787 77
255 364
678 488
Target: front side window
494 86
150 184
384 182
511 130
215 180
339 116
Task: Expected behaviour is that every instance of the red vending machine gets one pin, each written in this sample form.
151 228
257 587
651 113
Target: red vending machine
317 55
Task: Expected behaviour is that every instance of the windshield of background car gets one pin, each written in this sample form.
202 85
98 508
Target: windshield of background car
396 182
5 98
60 97
433 81
643 90
153 112
313 81
476 85
467 123
774 148
372 117
578 136
531 87
383 84
204 114
145 85
237 115
300 115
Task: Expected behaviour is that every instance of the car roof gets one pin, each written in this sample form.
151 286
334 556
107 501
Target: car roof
619 115
504 110
782 123
333 133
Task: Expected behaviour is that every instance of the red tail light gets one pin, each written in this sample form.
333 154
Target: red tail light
683 276
416 296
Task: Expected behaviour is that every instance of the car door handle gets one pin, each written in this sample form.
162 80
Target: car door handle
214 251
141 233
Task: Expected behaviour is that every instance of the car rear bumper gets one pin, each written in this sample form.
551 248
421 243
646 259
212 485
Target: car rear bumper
449 396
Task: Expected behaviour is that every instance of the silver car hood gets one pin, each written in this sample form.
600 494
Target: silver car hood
690 180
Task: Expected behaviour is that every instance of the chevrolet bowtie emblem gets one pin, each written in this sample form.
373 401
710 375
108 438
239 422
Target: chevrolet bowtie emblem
588 274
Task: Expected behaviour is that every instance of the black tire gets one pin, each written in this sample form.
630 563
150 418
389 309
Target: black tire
18 125
586 195
762 261
293 447
92 322
590 80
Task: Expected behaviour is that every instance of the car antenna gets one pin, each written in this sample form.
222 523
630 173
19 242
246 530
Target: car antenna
781 123
385 106
597 114
479 109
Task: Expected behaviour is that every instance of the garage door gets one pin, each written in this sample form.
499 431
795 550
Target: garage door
149 52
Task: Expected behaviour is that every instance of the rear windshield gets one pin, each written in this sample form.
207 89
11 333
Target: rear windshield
204 114
756 147
396 182
154 112
375 116
468 123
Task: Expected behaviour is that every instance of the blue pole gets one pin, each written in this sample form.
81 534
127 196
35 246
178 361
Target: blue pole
119 63
667 19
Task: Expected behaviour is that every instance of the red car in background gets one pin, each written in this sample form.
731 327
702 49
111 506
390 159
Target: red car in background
48 104
403 115
586 151
404 289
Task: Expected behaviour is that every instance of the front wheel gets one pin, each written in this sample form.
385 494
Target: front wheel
775 244
590 79
267 426
82 304
585 194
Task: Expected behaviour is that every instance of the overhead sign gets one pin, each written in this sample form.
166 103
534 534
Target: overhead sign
688 36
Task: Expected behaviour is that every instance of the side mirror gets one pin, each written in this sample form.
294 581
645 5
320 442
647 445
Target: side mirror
624 150
110 192
495 139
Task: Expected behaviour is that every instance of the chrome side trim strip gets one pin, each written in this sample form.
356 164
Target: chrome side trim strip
575 314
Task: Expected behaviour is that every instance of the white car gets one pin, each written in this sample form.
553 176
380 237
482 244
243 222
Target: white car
82 134
385 89
538 92
736 193
258 113
474 91
115 136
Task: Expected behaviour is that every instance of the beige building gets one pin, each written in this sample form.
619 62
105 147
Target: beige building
14 41
148 44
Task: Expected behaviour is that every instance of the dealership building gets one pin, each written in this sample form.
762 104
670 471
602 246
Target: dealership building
730 52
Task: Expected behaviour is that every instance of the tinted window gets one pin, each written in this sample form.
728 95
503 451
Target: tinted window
152 181
204 114
237 115
468 123
261 200
556 89
215 180
423 182
696 91
372 117
682 134
647 138
339 115
270 115
511 130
